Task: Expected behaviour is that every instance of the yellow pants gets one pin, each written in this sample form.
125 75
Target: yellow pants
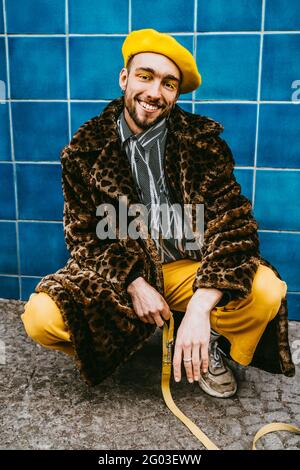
242 322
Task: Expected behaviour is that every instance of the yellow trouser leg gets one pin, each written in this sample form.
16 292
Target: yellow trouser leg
43 322
242 322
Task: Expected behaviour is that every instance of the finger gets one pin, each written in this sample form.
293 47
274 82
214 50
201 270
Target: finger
187 354
204 358
139 311
177 362
196 362
146 319
166 313
158 320
149 319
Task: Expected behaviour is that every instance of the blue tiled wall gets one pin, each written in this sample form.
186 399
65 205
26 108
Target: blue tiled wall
60 61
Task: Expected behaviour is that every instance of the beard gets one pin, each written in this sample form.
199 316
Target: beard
146 122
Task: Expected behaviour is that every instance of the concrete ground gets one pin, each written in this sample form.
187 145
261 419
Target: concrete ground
45 404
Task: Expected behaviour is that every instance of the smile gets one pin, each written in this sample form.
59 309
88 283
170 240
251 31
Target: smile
148 107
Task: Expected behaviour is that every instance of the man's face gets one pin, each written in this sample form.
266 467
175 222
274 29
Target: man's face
151 89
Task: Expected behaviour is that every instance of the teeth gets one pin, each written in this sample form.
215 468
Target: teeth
148 106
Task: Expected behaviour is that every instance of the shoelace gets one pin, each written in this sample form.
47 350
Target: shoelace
215 355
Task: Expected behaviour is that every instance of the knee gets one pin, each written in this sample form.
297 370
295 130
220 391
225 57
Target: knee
37 317
268 289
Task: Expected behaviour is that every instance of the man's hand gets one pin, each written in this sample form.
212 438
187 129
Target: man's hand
148 304
193 335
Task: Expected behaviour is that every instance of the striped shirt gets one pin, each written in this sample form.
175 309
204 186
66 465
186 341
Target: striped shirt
145 152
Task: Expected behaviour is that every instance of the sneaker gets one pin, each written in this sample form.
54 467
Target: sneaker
219 380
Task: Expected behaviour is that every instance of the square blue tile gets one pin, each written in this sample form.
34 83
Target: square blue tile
277 205
5 146
92 17
280 66
293 307
282 250
82 112
95 66
1 18
38 68
8 252
187 42
7 195
28 285
40 192
282 16
245 179
3 65
229 66
38 239
40 130
177 16
186 106
239 121
9 287
35 16
279 136
229 15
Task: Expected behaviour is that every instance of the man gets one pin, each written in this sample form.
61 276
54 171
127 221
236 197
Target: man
113 292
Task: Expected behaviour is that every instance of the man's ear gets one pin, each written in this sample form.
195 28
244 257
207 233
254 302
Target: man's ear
123 78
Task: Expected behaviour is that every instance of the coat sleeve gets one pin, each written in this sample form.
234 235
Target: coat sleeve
118 260
230 251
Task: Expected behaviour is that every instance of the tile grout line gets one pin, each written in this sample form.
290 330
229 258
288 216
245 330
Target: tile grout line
129 16
57 162
43 221
15 275
183 101
199 101
291 232
12 147
68 66
194 49
35 221
177 33
258 100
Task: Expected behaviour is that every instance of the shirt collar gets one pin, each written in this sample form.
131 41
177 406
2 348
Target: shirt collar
146 138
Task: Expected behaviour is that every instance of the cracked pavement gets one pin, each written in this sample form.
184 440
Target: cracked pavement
45 404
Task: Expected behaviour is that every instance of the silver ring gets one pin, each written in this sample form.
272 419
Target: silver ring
187 360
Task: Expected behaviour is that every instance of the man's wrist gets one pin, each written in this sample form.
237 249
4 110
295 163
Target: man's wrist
207 298
134 285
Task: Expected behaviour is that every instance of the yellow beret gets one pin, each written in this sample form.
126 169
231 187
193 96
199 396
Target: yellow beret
150 40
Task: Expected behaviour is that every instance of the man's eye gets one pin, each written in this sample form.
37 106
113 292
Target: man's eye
170 85
144 76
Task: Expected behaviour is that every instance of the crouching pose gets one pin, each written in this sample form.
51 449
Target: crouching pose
114 292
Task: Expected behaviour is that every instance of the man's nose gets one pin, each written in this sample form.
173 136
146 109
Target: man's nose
154 90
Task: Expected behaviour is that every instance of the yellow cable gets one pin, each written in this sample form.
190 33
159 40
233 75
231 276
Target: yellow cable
168 342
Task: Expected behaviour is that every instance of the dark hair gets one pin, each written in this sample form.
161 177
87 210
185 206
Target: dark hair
129 64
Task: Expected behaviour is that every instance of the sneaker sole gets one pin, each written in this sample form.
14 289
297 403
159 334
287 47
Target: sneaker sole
213 393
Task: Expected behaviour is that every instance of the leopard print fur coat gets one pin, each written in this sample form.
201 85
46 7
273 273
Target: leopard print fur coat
90 290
